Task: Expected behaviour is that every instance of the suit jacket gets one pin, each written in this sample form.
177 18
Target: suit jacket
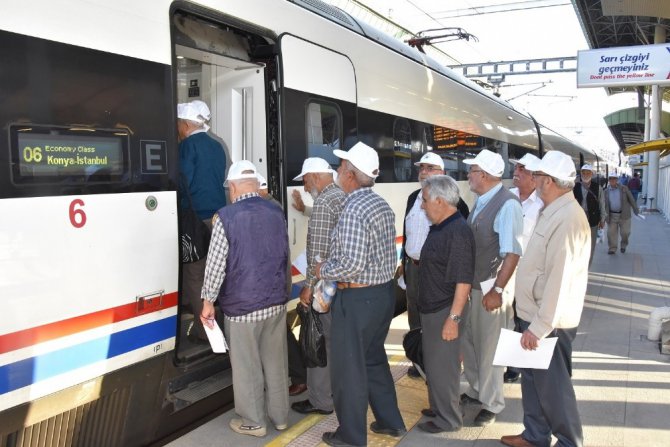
462 207
627 202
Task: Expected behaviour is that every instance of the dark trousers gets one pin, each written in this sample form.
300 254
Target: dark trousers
360 371
549 402
296 365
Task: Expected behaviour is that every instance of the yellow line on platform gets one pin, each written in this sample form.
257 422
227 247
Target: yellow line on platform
287 436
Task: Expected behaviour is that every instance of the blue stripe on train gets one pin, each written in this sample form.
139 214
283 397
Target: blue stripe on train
35 369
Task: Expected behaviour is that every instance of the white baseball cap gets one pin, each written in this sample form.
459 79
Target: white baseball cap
431 158
557 165
194 111
363 157
587 167
525 160
240 170
314 165
262 183
489 161
613 175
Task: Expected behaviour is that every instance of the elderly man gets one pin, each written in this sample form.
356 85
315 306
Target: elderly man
362 259
251 289
445 278
530 204
588 195
202 162
415 230
550 289
497 223
618 204
317 177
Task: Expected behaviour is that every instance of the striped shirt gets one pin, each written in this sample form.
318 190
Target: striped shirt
325 214
215 271
362 247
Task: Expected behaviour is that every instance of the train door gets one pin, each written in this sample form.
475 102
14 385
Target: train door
228 68
318 110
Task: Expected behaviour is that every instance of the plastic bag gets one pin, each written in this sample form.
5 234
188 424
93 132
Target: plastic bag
324 291
312 340
601 236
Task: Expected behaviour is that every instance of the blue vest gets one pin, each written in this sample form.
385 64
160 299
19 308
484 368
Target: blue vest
257 259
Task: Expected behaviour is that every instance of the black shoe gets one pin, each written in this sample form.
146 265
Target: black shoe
432 427
511 376
330 439
395 432
428 412
306 407
484 418
623 250
413 372
467 400
611 252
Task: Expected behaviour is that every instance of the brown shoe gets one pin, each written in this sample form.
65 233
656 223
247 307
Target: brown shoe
296 389
515 441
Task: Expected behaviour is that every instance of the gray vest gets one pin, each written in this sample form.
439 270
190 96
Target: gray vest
487 259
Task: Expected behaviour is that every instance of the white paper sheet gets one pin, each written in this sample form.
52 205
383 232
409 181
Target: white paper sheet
401 282
487 285
510 353
301 263
216 338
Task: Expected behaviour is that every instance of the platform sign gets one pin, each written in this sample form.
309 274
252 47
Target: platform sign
624 66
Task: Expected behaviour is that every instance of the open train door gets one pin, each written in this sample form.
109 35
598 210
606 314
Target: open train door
318 110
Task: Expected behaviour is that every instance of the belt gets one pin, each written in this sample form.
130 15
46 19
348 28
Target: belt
615 212
413 261
351 285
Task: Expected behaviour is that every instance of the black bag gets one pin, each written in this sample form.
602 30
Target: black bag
194 234
411 342
312 340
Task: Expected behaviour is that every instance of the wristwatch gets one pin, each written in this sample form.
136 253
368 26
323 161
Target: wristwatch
498 289
456 318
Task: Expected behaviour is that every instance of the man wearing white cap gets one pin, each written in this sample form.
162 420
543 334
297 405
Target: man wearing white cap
550 289
202 164
497 223
588 195
362 259
524 189
619 202
246 271
317 177
415 231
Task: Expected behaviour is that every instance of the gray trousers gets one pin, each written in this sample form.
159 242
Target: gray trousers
482 330
259 359
319 390
549 402
412 293
615 227
443 368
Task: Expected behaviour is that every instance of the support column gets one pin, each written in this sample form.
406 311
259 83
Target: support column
655 131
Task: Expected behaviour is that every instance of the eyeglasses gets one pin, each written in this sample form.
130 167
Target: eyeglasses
472 171
428 168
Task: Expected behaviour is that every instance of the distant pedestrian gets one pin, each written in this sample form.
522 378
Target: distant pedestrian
550 289
246 272
589 195
635 186
362 259
618 205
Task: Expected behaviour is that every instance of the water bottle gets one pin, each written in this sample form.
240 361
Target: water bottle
324 291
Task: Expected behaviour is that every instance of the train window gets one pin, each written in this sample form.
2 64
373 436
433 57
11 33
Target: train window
324 131
57 154
402 150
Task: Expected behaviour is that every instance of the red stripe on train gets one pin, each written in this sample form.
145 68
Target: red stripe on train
51 331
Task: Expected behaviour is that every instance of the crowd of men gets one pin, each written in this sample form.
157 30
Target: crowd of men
519 260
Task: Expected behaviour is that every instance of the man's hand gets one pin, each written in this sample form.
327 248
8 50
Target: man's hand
298 204
449 330
601 225
400 271
492 300
306 296
207 314
317 270
529 341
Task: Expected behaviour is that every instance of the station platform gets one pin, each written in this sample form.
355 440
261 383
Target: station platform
621 379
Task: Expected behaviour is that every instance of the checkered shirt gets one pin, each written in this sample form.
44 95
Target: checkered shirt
215 271
362 246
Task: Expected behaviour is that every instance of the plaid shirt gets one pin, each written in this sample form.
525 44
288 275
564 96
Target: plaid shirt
362 247
325 214
215 271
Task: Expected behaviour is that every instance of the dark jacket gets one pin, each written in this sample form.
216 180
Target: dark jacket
592 202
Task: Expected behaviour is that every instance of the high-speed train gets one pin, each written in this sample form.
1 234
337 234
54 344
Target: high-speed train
93 346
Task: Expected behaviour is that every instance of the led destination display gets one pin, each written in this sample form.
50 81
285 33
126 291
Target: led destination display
69 155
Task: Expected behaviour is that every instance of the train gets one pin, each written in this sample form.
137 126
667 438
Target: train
93 343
